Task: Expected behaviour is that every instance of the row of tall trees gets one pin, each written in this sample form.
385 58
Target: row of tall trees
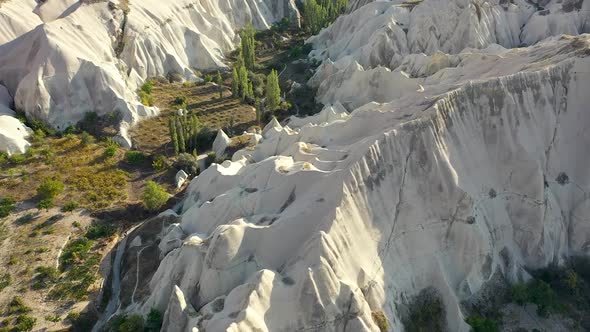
248 49
318 14
184 131
243 75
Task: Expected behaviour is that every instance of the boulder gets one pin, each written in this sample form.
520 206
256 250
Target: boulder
180 178
221 142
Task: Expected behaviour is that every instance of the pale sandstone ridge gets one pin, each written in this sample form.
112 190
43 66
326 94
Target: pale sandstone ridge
60 59
453 166
13 133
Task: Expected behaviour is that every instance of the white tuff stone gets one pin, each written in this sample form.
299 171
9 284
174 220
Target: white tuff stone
221 142
62 58
180 178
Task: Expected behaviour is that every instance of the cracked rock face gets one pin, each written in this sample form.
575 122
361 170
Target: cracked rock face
450 167
60 59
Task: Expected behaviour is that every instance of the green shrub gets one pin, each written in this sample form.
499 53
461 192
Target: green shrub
124 323
70 130
180 101
48 230
3 157
187 163
73 316
69 206
81 322
482 324
519 293
5 281
380 320
18 306
208 78
53 318
98 231
50 188
25 323
539 293
6 206
135 157
426 313
110 151
160 163
38 125
285 106
45 204
18 158
146 99
147 87
154 196
46 275
153 321
75 250
76 224
46 153
86 138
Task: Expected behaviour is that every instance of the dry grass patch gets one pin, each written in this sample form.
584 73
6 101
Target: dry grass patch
152 136
91 178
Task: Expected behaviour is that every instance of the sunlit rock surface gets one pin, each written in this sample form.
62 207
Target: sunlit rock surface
439 162
60 59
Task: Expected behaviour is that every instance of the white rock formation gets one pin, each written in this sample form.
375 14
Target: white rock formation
13 133
456 168
220 144
405 38
62 58
180 178
462 157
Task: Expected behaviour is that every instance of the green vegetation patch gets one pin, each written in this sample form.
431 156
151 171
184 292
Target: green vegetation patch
93 179
380 320
50 188
5 281
6 206
154 196
18 306
80 265
124 323
45 277
426 313
482 324
100 231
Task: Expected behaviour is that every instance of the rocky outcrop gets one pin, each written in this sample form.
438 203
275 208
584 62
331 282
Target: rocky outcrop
13 133
427 35
61 59
221 143
468 171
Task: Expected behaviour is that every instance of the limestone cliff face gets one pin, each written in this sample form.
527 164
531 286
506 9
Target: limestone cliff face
61 58
471 170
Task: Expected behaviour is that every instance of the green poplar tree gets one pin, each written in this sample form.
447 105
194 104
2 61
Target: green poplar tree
235 83
250 92
243 74
248 46
180 130
273 91
173 135
219 82
258 111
